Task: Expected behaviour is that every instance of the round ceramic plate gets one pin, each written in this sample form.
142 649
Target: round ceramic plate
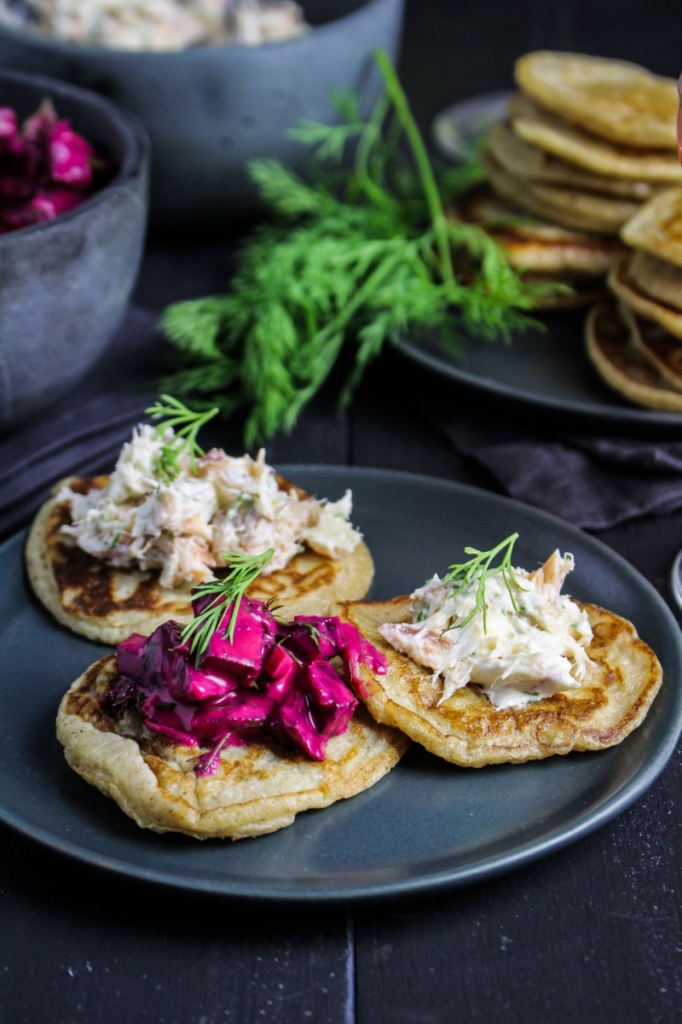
458 130
427 824
539 372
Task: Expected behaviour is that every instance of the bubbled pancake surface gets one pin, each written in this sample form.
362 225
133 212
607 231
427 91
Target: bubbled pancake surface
108 604
467 730
530 162
656 228
255 789
569 142
626 289
611 98
660 280
572 208
535 245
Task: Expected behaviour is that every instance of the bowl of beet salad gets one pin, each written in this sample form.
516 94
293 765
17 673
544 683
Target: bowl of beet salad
73 211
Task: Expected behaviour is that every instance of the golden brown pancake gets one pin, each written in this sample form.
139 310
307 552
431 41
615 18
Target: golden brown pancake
660 280
660 348
483 206
538 245
527 161
572 208
625 289
466 729
108 604
562 139
611 98
622 364
657 227
254 790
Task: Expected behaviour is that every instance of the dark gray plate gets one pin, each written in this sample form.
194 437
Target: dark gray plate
544 373
428 824
547 373
458 130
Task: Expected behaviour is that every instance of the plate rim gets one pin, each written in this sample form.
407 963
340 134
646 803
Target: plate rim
468 874
608 416
627 416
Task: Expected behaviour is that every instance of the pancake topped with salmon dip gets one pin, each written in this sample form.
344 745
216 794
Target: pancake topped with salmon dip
111 555
492 664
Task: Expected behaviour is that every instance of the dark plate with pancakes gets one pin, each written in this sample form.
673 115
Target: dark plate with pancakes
547 372
428 824
541 373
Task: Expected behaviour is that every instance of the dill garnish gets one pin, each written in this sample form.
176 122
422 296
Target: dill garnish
357 255
229 590
186 424
477 571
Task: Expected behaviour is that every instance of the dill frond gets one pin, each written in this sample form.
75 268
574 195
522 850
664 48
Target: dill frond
354 257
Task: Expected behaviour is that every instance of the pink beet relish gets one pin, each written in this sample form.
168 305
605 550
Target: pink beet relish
273 683
45 168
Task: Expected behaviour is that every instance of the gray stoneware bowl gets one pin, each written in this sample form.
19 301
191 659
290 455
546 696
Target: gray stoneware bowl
210 109
65 283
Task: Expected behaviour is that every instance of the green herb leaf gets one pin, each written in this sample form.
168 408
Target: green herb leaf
477 571
356 255
186 424
243 571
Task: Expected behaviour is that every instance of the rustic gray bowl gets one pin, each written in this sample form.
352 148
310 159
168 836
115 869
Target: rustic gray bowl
210 109
65 283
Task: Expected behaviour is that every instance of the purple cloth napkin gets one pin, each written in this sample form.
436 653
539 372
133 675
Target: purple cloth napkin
594 482
84 431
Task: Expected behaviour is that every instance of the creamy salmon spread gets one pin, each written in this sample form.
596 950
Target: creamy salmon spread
158 24
215 504
531 644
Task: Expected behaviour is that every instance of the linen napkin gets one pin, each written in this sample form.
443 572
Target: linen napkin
84 431
595 482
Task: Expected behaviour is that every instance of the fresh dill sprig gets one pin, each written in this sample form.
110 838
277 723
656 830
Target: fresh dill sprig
358 254
478 571
229 590
186 424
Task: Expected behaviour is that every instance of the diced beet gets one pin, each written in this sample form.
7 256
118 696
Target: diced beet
333 702
297 724
46 168
359 651
252 639
70 156
280 667
252 712
8 123
172 719
272 682
146 660
129 655
160 652
186 682
49 203
314 636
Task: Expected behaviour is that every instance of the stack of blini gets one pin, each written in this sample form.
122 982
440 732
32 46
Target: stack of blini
636 345
588 140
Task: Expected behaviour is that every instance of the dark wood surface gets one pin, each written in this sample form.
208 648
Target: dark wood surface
592 933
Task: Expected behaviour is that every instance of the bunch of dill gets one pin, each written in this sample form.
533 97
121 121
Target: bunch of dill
356 256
